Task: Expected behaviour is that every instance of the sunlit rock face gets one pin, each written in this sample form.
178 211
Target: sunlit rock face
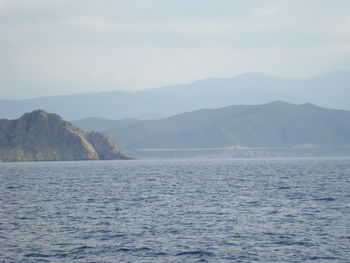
42 136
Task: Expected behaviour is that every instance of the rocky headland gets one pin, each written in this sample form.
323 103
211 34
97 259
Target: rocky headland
42 136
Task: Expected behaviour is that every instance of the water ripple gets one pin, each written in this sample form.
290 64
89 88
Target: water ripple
263 210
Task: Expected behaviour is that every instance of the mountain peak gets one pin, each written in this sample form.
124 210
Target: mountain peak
36 113
40 115
279 102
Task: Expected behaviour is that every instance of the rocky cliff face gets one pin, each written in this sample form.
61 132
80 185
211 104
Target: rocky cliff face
42 136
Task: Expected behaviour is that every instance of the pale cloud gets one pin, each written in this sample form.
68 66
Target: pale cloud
61 46
266 11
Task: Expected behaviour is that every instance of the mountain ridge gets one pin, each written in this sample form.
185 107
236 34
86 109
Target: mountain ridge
328 90
276 124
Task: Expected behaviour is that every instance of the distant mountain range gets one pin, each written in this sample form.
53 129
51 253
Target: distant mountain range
42 136
273 125
274 129
329 90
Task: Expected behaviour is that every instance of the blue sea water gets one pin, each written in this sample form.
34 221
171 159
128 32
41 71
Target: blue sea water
250 210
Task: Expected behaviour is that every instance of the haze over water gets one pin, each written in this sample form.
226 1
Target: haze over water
175 79
252 210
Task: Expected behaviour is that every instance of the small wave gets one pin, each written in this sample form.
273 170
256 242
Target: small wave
132 249
79 249
283 187
38 255
156 254
13 187
111 237
327 199
322 258
273 212
24 218
82 247
253 203
196 253
122 250
294 243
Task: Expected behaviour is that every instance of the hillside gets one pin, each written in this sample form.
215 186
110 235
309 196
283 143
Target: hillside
328 90
276 124
42 136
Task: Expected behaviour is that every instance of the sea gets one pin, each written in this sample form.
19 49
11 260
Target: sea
227 210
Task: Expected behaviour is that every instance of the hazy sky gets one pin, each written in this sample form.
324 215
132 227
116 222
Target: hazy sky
50 47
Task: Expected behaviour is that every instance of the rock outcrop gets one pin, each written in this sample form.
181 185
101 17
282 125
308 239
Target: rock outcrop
42 136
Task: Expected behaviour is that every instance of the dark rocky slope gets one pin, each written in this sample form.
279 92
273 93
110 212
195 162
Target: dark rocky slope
42 136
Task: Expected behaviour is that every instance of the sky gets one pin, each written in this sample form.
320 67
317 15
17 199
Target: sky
76 46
